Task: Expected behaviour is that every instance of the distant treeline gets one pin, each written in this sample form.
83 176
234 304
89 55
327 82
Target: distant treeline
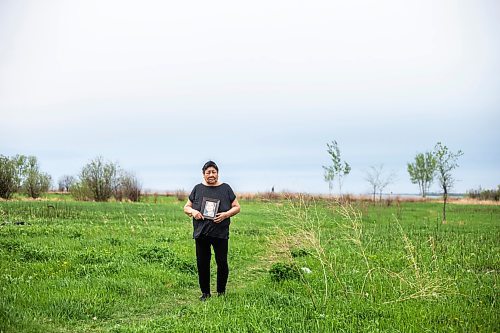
481 194
99 180
22 174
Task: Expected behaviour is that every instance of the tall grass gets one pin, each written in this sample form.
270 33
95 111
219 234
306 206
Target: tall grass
296 264
417 279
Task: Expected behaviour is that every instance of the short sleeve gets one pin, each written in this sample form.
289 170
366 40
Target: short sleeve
231 194
192 195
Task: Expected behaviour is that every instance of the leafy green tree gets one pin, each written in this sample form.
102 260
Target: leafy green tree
12 174
422 171
98 179
9 180
446 162
34 181
339 169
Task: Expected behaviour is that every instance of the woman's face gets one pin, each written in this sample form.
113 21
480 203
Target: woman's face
211 176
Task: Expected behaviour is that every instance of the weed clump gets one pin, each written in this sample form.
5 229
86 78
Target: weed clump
10 245
155 254
296 253
283 271
29 253
166 257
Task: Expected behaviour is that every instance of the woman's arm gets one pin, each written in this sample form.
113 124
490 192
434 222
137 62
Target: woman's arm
191 212
235 209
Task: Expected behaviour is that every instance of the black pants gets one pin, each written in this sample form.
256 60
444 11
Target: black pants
203 256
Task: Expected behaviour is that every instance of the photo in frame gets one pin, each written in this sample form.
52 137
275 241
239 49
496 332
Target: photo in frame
209 207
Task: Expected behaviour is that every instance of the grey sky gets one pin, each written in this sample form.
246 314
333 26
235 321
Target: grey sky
259 87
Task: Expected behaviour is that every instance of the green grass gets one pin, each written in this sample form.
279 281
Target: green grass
130 267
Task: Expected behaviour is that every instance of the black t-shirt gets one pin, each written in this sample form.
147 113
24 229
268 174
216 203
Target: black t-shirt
207 227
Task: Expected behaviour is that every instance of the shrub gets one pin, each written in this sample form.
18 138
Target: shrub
81 192
181 195
100 180
128 187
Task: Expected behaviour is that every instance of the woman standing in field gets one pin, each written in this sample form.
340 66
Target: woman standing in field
218 203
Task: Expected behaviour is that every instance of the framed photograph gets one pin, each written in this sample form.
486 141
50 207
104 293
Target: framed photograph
209 207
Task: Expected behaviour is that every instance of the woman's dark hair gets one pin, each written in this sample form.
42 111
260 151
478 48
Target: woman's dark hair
208 165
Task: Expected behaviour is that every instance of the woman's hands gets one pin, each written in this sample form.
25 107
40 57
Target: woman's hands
221 217
218 218
196 214
235 209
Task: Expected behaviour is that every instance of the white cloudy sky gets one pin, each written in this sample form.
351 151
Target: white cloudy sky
258 86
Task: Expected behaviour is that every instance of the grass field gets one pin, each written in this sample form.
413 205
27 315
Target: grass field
295 266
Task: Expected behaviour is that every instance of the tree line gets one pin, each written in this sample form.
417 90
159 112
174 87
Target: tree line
485 194
440 163
98 180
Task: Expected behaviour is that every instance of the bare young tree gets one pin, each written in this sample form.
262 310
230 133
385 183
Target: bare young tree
128 187
338 169
446 162
65 183
378 180
385 180
372 177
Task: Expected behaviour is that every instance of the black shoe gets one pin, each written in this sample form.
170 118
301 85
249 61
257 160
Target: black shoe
204 297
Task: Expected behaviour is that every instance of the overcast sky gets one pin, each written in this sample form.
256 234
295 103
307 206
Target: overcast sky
258 86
